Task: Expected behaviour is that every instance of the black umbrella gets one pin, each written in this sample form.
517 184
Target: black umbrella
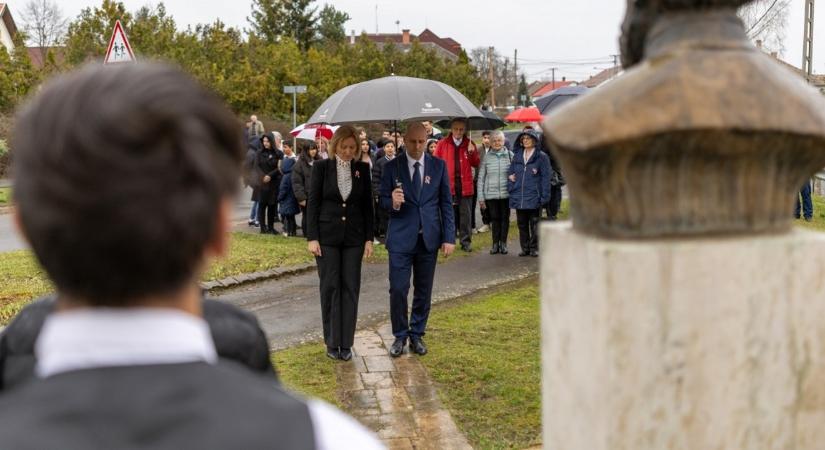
487 121
394 99
560 96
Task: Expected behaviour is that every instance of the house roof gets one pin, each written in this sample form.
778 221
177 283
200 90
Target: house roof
601 77
816 80
5 13
426 36
38 58
548 86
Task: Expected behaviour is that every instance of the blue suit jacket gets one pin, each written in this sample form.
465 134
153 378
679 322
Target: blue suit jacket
432 213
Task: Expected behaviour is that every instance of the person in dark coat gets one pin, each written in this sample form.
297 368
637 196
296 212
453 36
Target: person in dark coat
287 203
340 234
252 175
382 216
236 333
301 179
126 359
268 162
529 188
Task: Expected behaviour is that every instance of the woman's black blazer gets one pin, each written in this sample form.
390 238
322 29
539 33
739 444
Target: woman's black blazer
333 221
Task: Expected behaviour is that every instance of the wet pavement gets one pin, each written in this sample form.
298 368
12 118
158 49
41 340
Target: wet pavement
394 397
289 309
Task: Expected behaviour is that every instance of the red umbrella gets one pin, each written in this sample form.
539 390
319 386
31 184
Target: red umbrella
530 114
312 131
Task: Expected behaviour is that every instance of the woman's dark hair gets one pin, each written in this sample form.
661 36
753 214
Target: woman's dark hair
121 196
305 148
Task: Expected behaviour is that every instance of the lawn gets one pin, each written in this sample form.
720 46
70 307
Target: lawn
306 369
818 222
485 359
24 280
5 196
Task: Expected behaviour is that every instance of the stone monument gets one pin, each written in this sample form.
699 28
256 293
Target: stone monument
681 310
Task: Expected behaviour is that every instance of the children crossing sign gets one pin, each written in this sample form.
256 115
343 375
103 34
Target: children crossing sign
119 50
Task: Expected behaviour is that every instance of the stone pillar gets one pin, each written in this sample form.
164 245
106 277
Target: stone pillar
681 310
706 343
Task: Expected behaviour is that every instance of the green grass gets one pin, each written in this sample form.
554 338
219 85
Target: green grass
5 196
818 222
485 359
306 369
23 279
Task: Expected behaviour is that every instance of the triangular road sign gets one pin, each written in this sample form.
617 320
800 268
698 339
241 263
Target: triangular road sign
119 50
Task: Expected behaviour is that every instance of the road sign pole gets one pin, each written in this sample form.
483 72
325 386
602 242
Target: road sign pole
294 90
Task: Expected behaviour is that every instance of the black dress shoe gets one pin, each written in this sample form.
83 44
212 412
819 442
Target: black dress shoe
466 248
524 253
345 354
502 248
534 253
333 353
397 347
495 250
417 346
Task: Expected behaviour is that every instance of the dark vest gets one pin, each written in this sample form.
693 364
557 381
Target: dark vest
172 406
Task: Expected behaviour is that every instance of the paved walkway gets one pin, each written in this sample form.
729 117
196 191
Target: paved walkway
394 396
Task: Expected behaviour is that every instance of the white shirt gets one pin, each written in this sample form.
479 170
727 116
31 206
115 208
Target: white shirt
411 165
107 337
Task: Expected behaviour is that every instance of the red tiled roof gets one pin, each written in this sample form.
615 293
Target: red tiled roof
426 36
601 77
550 86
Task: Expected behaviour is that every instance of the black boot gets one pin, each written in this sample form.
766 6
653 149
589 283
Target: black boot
496 249
502 248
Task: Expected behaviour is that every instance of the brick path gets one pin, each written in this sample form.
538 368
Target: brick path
394 396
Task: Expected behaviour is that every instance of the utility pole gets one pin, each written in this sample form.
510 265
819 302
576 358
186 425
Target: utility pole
808 41
515 76
553 71
490 62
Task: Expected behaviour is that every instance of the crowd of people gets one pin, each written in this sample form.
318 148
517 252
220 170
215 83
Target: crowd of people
494 176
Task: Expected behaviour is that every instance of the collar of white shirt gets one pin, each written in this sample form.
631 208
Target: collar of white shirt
458 142
107 337
411 163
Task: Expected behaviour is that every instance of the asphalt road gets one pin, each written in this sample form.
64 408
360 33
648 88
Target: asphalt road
289 309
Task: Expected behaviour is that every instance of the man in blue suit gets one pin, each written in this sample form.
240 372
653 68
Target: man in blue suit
415 190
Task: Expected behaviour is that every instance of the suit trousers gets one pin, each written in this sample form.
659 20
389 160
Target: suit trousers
528 224
421 265
499 213
462 211
339 269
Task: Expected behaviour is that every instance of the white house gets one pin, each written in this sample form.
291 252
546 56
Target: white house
8 30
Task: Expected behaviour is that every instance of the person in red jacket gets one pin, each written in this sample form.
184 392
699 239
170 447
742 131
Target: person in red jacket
461 155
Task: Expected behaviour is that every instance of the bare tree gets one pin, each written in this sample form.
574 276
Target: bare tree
44 24
766 21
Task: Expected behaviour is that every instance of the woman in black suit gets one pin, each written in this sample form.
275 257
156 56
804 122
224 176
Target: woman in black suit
340 234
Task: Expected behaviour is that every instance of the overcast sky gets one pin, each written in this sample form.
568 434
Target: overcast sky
577 36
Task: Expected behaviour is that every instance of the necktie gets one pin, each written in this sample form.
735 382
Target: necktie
417 179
